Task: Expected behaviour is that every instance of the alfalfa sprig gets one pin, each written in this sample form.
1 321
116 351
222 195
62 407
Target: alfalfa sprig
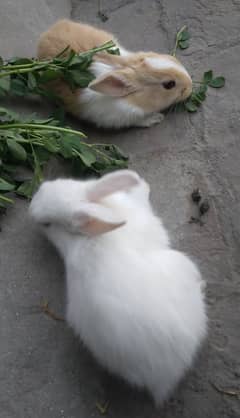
182 40
23 76
30 144
200 88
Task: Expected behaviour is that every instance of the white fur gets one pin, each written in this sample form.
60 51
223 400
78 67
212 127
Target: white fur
136 303
164 64
106 111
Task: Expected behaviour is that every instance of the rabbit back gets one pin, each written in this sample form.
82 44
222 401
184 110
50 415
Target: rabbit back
143 319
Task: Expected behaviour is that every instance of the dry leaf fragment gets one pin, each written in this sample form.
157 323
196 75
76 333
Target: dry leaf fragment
227 391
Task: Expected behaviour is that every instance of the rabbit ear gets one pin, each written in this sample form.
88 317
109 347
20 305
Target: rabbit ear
117 83
93 219
122 180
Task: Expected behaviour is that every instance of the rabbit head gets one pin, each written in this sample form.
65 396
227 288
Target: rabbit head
149 80
83 207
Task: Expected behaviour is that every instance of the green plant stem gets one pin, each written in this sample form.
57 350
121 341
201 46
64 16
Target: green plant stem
26 68
104 47
19 66
177 40
18 71
5 199
36 126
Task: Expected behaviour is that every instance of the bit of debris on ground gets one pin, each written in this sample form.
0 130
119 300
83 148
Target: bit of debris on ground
102 408
49 312
227 391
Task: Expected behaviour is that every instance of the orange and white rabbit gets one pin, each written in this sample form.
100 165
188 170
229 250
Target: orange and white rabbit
129 90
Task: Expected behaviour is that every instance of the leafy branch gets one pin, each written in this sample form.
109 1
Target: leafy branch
31 143
199 92
182 40
22 76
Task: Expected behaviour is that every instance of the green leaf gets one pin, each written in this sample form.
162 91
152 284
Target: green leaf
191 107
200 96
184 35
7 116
50 75
42 154
32 82
217 82
207 76
26 189
67 60
18 87
5 83
16 150
59 115
66 150
80 78
114 51
114 152
5 186
183 44
20 61
80 62
87 156
38 177
203 88
196 99
52 146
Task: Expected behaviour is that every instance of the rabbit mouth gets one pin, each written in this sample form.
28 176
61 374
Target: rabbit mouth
186 92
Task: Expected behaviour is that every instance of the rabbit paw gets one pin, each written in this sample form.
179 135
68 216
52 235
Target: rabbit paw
151 120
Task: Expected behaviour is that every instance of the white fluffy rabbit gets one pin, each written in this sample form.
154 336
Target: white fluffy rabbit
129 90
137 304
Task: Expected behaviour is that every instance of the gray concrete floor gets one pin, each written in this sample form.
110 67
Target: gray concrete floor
44 370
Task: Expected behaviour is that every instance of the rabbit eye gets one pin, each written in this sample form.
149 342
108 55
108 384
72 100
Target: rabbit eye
46 224
168 85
